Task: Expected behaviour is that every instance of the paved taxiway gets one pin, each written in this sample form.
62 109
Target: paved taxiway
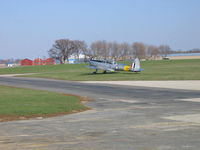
122 117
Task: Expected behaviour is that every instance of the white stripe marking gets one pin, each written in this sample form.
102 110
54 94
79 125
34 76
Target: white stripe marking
191 100
120 100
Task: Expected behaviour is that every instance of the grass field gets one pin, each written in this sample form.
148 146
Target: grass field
154 70
18 102
26 103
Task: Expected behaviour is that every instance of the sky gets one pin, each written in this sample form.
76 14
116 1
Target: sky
29 28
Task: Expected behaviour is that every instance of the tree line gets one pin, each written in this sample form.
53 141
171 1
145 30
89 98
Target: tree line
62 49
195 50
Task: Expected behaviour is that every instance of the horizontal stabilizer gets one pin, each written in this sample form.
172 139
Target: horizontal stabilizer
137 70
110 70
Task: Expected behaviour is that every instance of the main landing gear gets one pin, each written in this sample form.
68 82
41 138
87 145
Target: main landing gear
95 71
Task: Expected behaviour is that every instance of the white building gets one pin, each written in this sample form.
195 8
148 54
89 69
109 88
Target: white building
76 59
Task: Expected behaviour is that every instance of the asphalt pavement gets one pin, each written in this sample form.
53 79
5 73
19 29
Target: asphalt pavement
122 118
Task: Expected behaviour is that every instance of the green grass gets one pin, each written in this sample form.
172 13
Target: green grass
154 70
26 102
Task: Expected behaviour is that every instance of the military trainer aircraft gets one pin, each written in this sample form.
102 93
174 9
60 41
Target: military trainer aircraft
112 66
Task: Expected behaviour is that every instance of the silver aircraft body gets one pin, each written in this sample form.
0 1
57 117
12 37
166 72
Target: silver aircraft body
110 66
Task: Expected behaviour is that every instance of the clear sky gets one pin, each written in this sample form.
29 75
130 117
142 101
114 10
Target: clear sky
28 28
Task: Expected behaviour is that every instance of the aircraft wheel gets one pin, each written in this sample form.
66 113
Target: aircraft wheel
94 72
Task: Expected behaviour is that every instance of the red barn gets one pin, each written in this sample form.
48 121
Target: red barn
26 62
38 61
50 61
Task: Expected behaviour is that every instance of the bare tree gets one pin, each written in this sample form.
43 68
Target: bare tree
164 50
80 48
94 49
152 51
124 50
139 50
99 49
104 49
62 49
110 50
114 48
56 53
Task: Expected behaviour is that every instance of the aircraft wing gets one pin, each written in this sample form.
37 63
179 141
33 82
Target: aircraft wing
91 67
106 68
100 68
110 70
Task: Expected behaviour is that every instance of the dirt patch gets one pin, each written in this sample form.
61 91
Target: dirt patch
82 100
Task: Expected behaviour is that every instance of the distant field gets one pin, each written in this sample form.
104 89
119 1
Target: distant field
16 103
154 70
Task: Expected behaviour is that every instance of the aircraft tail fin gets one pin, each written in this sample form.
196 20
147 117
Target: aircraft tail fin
135 66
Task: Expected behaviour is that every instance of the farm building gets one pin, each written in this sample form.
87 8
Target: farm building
38 61
10 64
73 59
49 61
26 62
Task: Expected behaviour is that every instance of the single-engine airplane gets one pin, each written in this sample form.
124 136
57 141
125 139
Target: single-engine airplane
112 66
